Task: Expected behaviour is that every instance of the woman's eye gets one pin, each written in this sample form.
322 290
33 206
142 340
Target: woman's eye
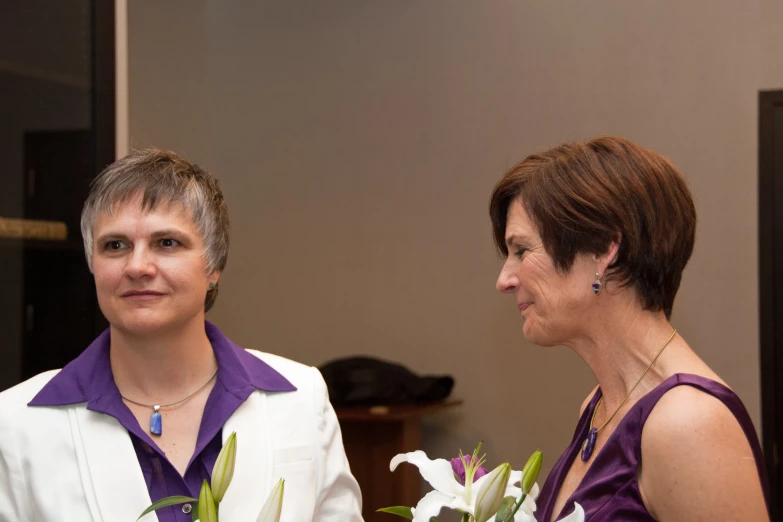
168 243
520 251
114 245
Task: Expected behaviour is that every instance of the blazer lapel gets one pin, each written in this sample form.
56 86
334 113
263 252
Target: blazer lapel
109 467
253 469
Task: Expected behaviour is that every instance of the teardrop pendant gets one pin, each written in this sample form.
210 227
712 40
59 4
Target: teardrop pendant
156 422
589 444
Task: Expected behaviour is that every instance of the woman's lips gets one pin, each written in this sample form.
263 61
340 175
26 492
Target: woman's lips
141 295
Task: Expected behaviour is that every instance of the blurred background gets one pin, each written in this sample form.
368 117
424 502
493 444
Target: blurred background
357 143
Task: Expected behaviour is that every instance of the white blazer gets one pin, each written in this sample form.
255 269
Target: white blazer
70 464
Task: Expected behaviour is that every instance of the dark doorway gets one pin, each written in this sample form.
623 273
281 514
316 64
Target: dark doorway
57 132
771 286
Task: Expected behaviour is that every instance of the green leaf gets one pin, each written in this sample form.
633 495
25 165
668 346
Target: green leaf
194 513
506 509
165 502
401 511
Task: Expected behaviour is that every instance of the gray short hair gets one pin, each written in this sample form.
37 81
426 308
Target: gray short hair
163 177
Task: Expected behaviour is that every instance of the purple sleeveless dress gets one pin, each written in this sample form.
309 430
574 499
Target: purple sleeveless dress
609 491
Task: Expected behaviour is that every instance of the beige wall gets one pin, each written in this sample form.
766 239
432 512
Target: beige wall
357 143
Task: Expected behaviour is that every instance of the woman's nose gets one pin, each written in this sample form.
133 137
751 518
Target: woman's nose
140 263
507 282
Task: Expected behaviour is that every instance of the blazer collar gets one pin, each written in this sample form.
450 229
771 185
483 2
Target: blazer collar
89 378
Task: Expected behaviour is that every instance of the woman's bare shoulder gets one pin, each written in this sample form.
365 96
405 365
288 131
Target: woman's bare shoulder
696 461
685 407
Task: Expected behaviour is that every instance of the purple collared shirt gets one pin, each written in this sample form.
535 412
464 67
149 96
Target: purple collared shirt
89 378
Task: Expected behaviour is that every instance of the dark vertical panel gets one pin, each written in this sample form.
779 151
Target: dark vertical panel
770 198
59 296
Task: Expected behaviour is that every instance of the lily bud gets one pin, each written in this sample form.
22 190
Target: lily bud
273 505
206 504
491 493
223 470
530 471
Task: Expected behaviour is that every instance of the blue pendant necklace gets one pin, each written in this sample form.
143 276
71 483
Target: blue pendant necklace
156 421
592 434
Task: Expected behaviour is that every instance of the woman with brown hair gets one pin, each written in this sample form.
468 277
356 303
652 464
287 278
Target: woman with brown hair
595 237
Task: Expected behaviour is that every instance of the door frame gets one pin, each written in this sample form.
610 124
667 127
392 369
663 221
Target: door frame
770 225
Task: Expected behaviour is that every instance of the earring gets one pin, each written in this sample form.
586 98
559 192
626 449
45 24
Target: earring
597 284
212 286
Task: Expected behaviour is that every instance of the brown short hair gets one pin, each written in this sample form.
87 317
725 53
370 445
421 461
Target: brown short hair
163 177
583 195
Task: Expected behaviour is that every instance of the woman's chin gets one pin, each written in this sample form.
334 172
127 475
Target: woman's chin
532 333
143 324
529 331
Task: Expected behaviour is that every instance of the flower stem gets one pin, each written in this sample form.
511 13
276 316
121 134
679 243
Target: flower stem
466 517
516 508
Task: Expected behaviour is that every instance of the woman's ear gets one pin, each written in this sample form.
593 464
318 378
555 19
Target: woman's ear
609 258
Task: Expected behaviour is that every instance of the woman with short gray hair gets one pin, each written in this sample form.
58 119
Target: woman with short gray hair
144 411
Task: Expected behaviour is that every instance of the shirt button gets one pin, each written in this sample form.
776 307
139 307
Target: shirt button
187 508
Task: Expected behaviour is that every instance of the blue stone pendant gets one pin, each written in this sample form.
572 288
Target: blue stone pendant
596 288
589 444
156 423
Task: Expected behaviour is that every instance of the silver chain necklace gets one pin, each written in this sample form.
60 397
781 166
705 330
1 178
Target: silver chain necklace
156 422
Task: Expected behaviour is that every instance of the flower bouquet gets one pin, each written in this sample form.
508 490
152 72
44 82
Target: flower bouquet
206 506
463 484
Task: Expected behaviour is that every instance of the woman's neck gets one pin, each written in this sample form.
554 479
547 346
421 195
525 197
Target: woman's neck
161 367
619 348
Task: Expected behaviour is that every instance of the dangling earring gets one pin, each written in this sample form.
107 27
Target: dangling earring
597 284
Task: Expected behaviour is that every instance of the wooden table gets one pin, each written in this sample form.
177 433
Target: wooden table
372 436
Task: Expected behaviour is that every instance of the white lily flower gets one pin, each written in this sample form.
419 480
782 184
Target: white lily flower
577 515
449 493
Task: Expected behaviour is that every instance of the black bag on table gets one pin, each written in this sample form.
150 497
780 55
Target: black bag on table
367 381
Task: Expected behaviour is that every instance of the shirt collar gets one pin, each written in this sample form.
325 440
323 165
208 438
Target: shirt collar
89 378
